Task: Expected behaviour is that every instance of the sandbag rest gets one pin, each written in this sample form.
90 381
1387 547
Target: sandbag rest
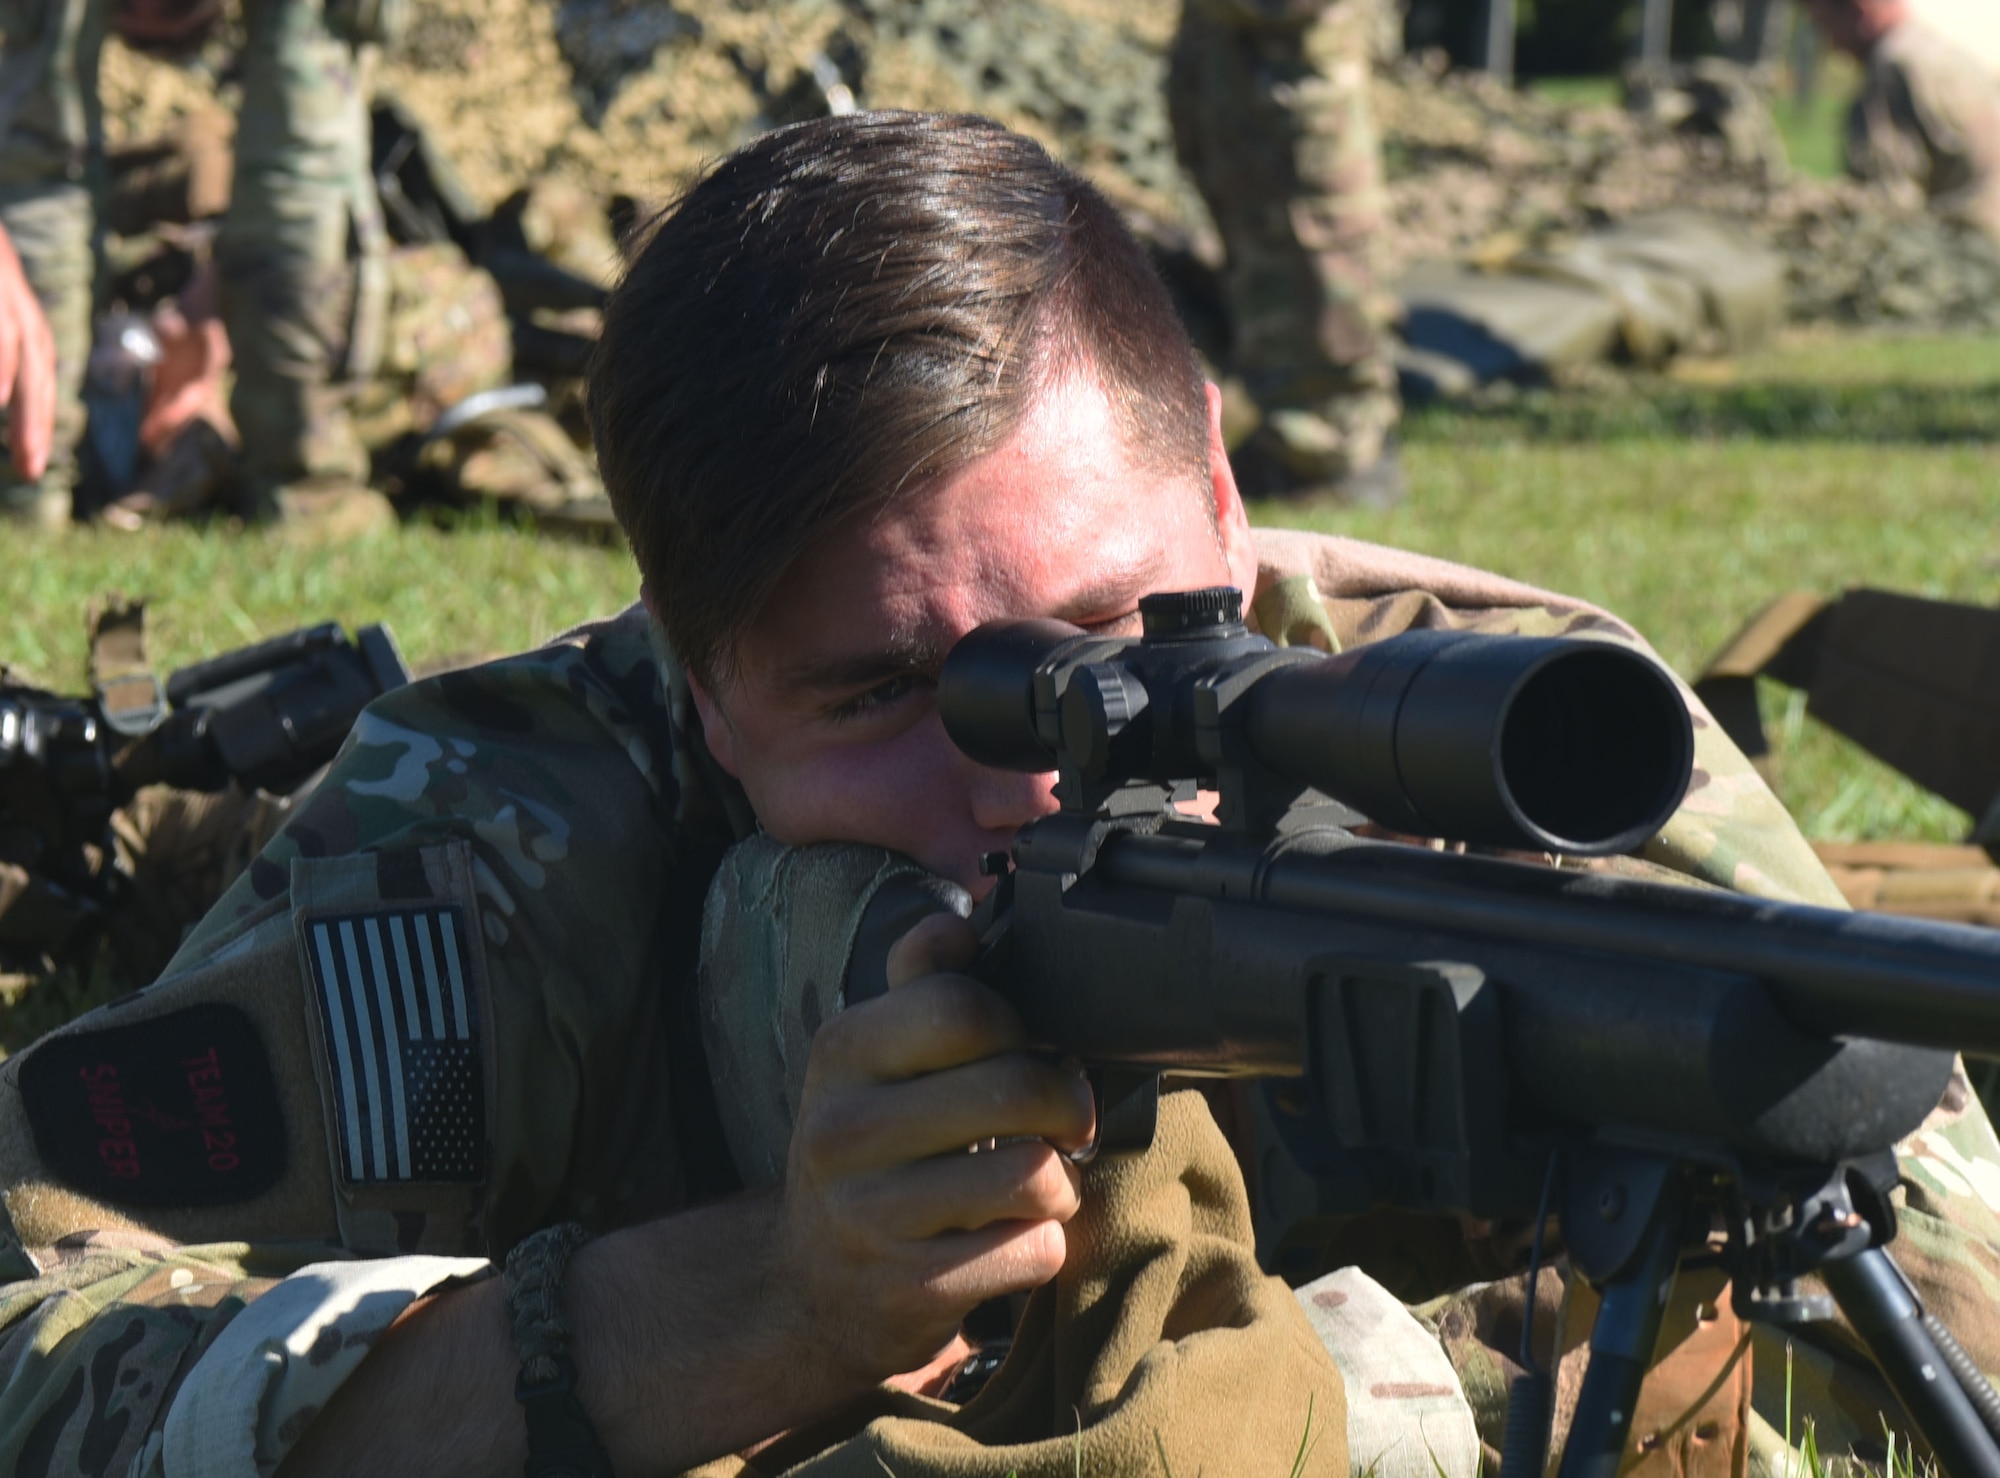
1638 291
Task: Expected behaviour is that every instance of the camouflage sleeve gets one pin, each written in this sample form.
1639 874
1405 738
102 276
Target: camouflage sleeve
127 1354
432 1015
556 781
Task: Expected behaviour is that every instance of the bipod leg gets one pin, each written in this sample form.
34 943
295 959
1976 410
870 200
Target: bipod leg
1878 1302
1621 1347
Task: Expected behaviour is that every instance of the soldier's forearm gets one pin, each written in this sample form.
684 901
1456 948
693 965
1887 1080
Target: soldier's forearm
683 1345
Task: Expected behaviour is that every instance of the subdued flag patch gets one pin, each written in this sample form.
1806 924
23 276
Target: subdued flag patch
401 1025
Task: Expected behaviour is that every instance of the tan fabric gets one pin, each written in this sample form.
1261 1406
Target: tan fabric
1353 569
1160 1349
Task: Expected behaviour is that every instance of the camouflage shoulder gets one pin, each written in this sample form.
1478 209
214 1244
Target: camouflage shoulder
521 753
1730 830
1733 832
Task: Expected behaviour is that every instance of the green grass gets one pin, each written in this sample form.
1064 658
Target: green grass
1579 92
1812 130
481 588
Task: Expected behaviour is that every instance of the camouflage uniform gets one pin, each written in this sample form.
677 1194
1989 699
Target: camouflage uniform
302 189
1271 115
505 872
1928 117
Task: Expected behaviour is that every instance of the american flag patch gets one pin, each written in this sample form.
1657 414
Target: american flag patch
402 1038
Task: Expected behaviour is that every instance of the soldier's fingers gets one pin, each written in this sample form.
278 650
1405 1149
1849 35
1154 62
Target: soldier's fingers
943 941
935 1022
966 1192
32 424
1014 1096
967 1268
10 345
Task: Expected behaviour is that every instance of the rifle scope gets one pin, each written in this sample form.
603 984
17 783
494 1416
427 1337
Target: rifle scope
1549 743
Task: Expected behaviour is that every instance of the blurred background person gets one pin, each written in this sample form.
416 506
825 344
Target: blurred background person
1272 120
1928 113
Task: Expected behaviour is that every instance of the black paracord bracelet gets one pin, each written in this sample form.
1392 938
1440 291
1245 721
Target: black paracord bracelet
561 1441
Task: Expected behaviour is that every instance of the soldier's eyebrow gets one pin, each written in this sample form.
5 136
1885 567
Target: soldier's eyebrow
846 672
1110 594
1107 595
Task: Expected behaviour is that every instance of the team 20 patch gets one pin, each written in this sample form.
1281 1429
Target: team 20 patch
177 1110
400 1021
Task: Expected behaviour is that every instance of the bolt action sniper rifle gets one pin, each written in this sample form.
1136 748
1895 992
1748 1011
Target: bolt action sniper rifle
265 716
1648 1062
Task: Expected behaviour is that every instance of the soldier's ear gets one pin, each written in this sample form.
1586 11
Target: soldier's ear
1232 523
716 730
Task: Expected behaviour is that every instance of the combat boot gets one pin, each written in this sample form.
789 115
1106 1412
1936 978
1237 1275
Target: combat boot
44 504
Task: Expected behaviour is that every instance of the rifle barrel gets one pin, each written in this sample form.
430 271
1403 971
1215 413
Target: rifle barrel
1831 972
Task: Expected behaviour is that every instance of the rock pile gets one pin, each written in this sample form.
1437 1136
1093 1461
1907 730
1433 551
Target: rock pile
633 96
1479 171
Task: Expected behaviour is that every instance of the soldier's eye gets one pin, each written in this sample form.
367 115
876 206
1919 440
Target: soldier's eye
1125 625
883 695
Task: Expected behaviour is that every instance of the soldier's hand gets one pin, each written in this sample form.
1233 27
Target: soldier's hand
188 381
901 1213
27 367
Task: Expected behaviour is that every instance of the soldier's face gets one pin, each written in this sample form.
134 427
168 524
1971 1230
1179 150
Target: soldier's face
828 715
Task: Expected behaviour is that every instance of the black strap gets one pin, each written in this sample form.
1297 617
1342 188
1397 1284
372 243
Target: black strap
562 1443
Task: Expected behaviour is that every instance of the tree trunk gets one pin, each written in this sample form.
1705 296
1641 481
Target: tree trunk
1656 32
1500 39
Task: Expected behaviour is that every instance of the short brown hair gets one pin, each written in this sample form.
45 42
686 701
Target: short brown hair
843 309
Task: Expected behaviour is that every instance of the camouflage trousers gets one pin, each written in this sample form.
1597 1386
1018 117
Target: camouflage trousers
302 216
1272 119
303 193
